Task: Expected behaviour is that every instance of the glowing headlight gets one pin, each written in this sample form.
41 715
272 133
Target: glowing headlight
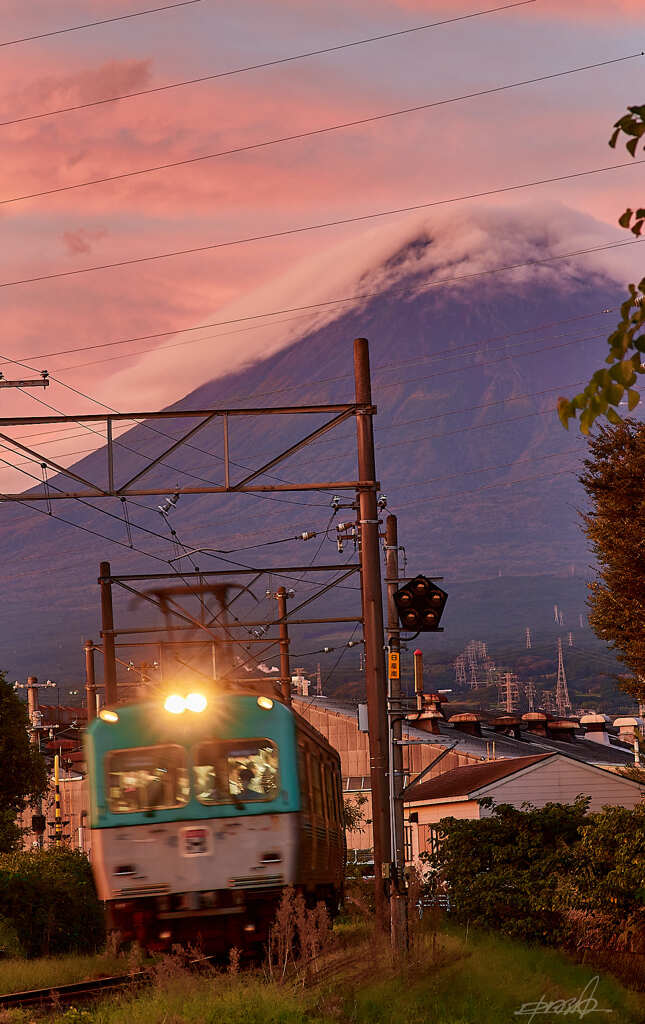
175 704
265 702
108 716
196 702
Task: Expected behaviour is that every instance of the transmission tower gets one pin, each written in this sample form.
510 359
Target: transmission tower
562 702
530 696
460 671
509 692
528 638
570 638
548 703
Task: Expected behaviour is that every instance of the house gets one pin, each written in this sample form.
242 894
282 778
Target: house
537 779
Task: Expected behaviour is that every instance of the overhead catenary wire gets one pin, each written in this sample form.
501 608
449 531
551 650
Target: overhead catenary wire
96 24
476 490
312 133
341 222
257 67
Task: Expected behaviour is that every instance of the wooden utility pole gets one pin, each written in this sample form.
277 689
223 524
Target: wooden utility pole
283 632
107 634
398 896
372 605
90 681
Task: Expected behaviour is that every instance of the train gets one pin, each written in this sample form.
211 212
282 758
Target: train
203 807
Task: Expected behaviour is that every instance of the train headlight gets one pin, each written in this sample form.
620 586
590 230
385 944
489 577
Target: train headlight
108 716
175 704
196 702
265 702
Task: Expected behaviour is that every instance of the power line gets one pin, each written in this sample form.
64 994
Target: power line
258 67
489 469
280 140
94 24
336 223
485 487
257 316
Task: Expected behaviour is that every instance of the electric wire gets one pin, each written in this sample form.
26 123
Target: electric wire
94 24
258 67
223 323
312 133
340 222
476 490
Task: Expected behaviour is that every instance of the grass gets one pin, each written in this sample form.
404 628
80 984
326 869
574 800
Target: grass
19 975
479 979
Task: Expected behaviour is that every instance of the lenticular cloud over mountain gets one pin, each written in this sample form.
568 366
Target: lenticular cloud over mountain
415 253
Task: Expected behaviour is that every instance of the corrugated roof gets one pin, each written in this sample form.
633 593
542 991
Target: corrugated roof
468 778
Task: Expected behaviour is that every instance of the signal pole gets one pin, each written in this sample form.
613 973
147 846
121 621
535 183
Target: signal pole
398 901
90 681
372 606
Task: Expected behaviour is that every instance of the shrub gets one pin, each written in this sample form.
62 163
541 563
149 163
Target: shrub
49 900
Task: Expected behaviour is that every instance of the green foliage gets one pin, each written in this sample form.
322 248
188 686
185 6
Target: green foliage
605 391
354 813
504 870
523 872
613 480
48 898
23 777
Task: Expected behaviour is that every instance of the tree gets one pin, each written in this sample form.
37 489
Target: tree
613 479
607 387
354 813
23 777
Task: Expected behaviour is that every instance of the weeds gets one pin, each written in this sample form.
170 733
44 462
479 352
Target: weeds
297 939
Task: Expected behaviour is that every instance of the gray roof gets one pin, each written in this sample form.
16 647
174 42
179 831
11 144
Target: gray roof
614 753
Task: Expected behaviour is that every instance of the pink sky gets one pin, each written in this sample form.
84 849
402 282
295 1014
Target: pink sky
541 130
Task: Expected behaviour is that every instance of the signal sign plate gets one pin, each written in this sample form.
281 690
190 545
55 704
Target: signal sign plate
394 665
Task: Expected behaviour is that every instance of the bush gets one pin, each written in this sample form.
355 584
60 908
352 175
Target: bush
556 875
48 899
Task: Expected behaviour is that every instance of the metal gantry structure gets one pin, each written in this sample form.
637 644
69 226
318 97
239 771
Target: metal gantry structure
171 593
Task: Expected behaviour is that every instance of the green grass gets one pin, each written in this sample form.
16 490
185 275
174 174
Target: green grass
19 975
481 979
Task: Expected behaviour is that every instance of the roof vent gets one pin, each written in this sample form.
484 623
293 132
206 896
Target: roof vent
508 725
535 722
596 728
467 722
628 727
563 729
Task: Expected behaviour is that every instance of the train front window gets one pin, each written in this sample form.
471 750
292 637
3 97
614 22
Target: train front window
147 779
252 767
209 773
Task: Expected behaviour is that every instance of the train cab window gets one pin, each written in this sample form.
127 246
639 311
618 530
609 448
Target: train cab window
146 779
252 768
209 773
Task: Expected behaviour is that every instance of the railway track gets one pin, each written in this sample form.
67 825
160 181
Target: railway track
65 994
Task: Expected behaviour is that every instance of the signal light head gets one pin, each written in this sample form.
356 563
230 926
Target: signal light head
420 604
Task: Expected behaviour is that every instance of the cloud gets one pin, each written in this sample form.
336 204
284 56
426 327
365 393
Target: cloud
417 252
82 240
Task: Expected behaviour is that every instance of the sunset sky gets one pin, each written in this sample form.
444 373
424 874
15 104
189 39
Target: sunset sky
541 130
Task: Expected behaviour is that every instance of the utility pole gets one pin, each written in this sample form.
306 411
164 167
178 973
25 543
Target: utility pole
398 897
107 634
90 681
38 821
372 607
283 633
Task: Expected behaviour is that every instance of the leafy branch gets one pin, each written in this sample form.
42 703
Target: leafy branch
607 387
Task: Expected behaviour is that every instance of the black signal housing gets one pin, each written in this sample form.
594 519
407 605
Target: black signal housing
420 604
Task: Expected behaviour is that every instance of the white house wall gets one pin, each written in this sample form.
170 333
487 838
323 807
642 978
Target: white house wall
561 780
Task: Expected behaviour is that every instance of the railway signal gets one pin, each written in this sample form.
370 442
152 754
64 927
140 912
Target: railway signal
420 604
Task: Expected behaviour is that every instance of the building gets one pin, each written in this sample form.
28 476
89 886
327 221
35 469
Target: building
438 742
538 779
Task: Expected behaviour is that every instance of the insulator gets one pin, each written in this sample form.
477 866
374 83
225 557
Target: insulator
308 535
